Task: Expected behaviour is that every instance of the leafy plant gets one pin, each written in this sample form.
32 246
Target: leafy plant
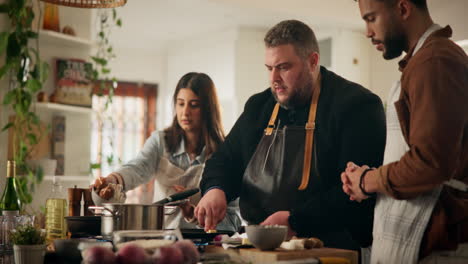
26 73
105 53
108 19
27 235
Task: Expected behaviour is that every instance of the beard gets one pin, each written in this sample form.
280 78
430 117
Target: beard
301 94
394 42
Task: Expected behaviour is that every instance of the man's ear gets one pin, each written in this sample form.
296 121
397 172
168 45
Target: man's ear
313 60
404 9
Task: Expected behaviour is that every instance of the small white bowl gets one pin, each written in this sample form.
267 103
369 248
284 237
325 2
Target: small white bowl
266 237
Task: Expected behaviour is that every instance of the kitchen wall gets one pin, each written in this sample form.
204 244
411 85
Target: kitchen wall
251 73
136 64
213 54
451 13
383 74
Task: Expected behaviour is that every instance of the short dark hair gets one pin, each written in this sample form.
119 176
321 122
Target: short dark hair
421 4
293 32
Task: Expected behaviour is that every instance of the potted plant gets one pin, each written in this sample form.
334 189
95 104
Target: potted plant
28 244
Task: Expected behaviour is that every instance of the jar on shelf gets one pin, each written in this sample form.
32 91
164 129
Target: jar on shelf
51 17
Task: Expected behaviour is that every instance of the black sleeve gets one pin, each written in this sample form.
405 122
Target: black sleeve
225 168
361 135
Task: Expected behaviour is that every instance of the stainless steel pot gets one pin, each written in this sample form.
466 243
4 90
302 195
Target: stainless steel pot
119 216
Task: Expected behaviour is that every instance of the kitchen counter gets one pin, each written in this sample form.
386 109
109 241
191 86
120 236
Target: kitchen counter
257 256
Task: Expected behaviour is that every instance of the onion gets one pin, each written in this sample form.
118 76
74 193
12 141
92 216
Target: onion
133 254
98 255
189 251
218 238
168 255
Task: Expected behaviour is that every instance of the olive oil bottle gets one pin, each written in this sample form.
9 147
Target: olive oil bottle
56 210
10 202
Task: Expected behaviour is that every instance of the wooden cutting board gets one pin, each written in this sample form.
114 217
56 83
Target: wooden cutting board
257 256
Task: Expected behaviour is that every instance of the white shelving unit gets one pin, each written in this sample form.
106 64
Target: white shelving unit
55 38
58 108
53 45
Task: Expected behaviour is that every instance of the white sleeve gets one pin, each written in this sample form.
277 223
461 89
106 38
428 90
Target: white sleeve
141 169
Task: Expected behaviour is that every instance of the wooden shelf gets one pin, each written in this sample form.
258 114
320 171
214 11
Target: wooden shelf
66 178
63 108
64 40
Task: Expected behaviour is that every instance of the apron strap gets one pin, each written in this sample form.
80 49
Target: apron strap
309 138
309 141
271 123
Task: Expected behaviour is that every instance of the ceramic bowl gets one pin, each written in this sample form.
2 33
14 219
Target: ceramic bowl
266 237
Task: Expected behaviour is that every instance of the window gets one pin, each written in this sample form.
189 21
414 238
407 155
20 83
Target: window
119 133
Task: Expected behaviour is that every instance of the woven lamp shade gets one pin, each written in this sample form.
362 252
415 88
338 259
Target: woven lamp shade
88 3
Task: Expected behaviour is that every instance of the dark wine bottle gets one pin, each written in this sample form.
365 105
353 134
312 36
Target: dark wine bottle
10 203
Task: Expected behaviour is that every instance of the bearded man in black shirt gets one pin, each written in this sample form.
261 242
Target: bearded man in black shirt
284 156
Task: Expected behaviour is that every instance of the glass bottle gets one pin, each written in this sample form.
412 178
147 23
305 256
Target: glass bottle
10 202
51 17
56 210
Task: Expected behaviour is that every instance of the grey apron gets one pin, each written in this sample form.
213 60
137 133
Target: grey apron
169 175
277 175
272 177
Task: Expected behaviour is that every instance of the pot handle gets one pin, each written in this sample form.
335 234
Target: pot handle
170 210
171 207
91 208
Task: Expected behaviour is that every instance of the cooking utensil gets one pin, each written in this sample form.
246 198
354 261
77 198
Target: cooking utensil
178 196
84 226
202 235
119 216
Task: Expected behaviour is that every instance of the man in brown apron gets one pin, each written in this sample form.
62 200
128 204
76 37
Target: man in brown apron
284 154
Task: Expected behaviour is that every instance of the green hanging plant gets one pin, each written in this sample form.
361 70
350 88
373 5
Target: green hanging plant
27 74
102 71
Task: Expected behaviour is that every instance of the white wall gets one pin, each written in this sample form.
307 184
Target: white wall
451 13
212 54
133 64
383 73
350 54
251 75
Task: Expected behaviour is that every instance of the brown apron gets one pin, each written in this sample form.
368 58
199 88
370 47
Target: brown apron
279 170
